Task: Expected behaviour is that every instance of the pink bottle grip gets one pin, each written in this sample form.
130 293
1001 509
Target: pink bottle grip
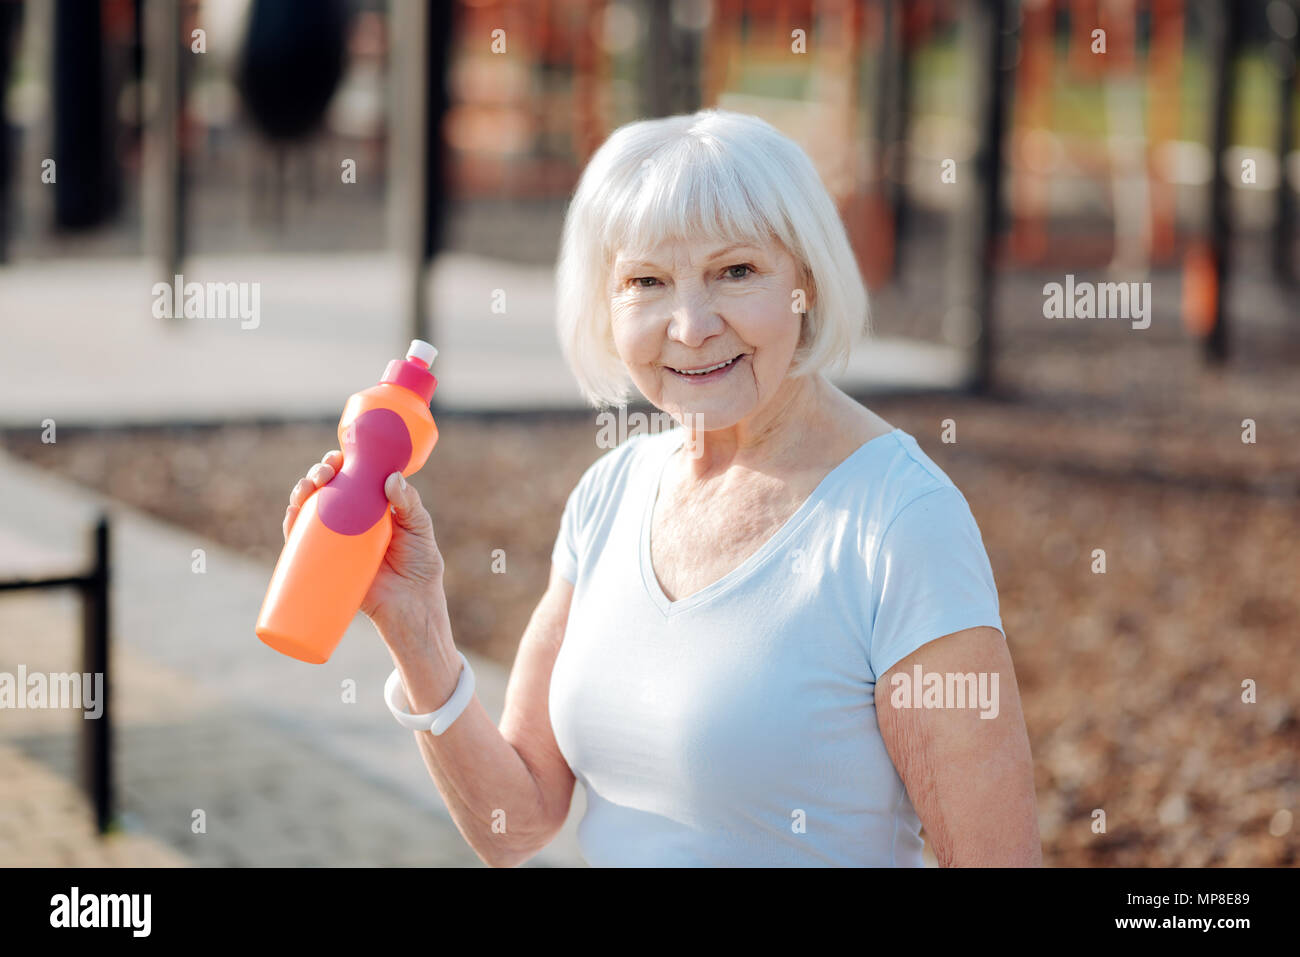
375 445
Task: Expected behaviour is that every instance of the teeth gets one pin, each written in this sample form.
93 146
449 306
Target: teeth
709 369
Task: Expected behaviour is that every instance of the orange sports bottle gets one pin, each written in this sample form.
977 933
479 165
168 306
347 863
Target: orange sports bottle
342 532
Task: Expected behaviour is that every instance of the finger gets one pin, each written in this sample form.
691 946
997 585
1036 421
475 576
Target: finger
301 492
290 514
407 510
395 489
320 473
333 459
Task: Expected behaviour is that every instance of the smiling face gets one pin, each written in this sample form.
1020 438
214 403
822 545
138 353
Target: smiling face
706 328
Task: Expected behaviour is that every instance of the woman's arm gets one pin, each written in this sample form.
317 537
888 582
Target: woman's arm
970 778
507 789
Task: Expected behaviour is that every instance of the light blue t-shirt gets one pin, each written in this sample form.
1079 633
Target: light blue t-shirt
737 726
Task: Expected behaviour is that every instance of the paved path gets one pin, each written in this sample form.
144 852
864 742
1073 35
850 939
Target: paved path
83 347
207 716
45 821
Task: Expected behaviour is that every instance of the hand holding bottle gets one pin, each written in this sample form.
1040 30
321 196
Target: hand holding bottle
356 536
410 577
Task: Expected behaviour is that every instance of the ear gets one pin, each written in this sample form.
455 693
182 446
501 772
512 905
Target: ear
804 334
808 286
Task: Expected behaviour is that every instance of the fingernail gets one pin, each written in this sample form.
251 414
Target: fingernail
401 481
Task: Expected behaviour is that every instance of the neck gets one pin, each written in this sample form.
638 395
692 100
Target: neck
773 435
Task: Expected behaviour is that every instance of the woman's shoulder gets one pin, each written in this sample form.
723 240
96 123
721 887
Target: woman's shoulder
911 468
894 462
611 473
891 475
883 461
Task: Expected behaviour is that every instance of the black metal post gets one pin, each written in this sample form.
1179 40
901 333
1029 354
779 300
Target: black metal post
97 740
657 66
1285 47
11 18
80 127
670 66
442 31
972 252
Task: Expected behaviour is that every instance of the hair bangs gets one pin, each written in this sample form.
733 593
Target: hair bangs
688 192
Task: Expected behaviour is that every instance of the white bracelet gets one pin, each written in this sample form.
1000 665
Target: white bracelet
435 721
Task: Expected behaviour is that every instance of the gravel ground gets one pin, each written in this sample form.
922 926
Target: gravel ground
1098 438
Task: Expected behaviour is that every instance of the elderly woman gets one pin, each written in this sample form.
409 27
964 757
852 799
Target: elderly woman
764 631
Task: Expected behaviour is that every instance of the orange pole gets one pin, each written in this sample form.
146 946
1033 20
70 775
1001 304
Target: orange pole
586 82
1164 103
721 41
1033 123
870 212
1085 16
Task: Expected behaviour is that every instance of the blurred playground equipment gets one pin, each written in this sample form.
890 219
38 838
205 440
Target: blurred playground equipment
1123 135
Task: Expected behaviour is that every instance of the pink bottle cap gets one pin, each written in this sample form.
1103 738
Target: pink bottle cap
413 371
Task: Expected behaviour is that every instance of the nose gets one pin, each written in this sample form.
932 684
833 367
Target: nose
694 320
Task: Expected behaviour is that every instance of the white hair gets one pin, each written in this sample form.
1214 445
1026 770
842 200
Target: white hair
716 175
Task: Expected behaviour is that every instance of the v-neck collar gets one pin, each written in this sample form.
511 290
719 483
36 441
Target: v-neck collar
746 568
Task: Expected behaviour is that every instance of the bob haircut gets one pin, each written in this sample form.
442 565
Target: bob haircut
716 175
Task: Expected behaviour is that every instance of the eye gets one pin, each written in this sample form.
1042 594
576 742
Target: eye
642 282
731 275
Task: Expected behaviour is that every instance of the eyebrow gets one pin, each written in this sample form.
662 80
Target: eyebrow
634 263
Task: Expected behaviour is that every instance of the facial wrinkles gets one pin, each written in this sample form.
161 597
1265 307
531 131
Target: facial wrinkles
681 299
691 301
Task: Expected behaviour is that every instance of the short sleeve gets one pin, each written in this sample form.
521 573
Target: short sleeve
592 493
565 553
931 578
